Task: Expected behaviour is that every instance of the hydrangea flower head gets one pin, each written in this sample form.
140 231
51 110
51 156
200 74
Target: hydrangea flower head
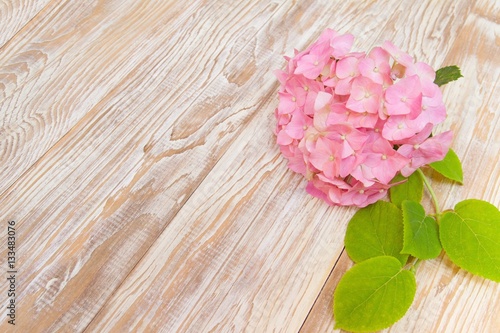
350 121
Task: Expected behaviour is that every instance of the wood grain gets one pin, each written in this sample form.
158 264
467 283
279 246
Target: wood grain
138 159
16 14
58 69
285 324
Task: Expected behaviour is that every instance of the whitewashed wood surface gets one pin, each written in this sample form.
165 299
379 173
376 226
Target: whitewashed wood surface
139 163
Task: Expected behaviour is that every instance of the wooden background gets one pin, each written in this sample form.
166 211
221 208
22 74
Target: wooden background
139 163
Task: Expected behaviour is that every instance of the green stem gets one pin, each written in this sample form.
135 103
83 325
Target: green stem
414 266
431 191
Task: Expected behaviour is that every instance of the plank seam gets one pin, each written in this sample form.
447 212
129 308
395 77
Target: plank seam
322 288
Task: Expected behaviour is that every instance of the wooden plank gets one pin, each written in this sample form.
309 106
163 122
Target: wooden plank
62 64
91 207
88 59
449 299
220 266
174 138
15 14
320 319
244 253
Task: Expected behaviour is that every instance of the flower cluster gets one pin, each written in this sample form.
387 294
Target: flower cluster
350 121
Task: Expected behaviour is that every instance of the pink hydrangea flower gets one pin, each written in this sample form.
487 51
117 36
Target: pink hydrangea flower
349 121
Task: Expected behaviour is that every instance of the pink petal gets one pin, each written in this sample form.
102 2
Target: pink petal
341 45
347 67
322 99
286 104
398 55
283 138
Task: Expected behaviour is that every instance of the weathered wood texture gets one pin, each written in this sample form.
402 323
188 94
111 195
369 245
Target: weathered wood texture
15 14
138 159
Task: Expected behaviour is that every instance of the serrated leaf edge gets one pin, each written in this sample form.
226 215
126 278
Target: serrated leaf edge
414 289
461 173
445 67
458 265
354 258
404 233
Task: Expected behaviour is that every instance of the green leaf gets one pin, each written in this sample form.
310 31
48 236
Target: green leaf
373 295
421 236
471 237
450 167
447 74
412 189
376 230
